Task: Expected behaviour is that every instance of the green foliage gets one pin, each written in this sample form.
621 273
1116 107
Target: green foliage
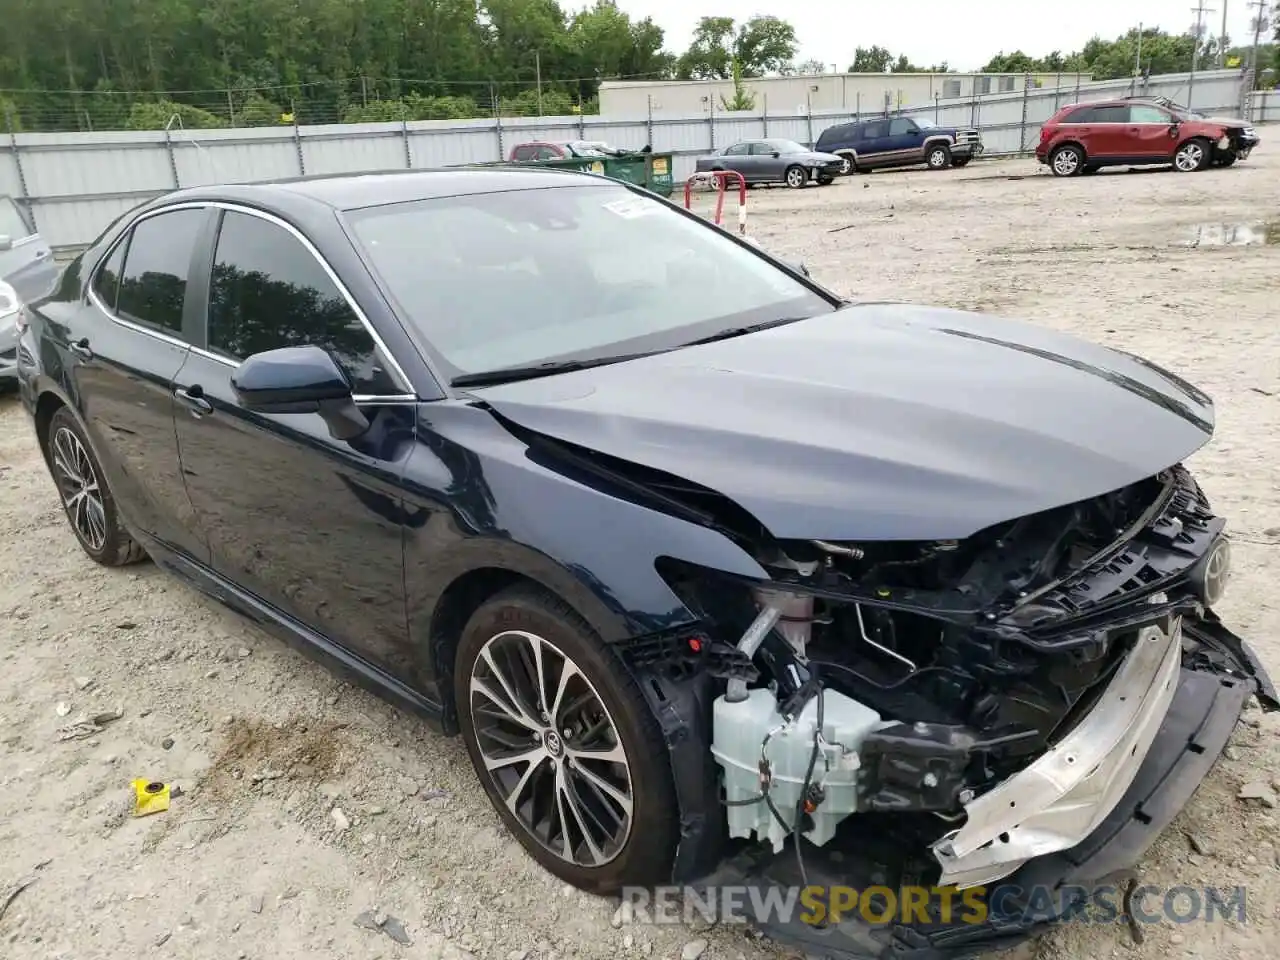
107 64
743 99
1109 59
10 119
760 46
157 114
413 107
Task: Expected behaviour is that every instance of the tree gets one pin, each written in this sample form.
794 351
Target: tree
743 99
761 45
871 60
810 68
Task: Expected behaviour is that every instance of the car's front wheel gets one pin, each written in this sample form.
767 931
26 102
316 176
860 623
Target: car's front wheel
796 177
1067 161
938 158
1193 155
564 744
86 499
847 168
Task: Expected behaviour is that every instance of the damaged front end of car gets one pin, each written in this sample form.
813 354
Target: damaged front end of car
1028 706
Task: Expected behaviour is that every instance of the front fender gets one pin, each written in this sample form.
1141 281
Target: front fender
476 501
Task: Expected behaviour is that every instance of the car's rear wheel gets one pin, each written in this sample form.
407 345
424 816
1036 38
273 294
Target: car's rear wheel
938 158
1193 155
1067 161
825 181
86 499
795 177
960 161
1227 160
564 744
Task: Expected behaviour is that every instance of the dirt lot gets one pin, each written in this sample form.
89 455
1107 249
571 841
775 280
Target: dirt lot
251 861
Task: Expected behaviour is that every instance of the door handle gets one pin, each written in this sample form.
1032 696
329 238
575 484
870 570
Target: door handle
193 399
81 348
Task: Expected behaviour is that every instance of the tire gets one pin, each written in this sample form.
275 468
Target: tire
1067 161
960 161
938 157
1090 169
847 167
1195 154
1227 160
601 700
86 499
795 177
826 181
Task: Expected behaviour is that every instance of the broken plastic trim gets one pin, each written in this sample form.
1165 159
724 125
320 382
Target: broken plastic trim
1060 799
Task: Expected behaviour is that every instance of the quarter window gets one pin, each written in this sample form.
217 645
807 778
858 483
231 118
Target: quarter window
153 283
106 284
737 150
269 291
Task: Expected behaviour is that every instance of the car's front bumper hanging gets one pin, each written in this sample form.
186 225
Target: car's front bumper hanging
1219 674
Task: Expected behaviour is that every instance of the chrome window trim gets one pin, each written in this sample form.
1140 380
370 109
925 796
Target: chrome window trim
397 372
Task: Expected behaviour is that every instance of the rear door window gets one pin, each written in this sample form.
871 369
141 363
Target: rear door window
876 130
1111 114
1145 113
153 282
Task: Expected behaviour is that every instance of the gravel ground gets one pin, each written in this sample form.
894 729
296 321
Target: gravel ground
252 861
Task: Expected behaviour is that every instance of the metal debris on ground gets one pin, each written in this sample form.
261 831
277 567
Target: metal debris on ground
393 927
12 895
85 726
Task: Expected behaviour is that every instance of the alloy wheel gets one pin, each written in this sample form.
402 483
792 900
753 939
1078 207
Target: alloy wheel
1065 163
938 159
1189 157
795 177
551 748
81 493
846 166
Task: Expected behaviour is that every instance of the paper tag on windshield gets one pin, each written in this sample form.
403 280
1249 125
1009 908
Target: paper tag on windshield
631 207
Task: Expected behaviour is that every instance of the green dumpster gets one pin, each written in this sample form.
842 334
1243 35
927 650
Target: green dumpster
653 171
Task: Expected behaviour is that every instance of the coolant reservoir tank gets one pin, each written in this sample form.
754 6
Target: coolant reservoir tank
739 729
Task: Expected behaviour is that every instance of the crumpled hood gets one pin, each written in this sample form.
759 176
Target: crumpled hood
880 421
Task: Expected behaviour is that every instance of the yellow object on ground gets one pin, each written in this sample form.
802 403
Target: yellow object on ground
149 797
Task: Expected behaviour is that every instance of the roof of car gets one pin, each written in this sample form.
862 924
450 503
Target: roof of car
355 190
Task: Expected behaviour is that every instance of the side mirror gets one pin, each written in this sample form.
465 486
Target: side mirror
6 242
299 380
775 154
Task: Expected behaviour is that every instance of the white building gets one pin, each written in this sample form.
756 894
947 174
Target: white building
851 92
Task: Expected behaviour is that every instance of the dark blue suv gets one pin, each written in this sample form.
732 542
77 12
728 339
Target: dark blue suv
899 142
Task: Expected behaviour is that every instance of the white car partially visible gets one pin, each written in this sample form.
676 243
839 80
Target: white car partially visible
10 307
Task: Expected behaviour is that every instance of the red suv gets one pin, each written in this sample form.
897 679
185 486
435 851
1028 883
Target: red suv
1083 137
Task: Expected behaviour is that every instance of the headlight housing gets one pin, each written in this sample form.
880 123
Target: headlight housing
11 311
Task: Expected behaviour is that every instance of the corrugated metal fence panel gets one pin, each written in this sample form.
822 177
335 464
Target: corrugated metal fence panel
1264 106
447 143
84 164
77 183
76 222
234 156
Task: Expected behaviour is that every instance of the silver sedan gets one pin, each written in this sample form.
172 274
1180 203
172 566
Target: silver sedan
774 161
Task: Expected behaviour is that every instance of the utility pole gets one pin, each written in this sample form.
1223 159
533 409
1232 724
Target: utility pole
1260 20
1137 60
1222 38
1198 33
537 67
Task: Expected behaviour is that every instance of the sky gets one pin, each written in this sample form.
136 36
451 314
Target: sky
965 33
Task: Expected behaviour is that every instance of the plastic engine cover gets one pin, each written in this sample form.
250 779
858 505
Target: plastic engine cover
740 728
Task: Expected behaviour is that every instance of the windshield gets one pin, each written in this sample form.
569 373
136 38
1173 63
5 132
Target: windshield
526 277
787 146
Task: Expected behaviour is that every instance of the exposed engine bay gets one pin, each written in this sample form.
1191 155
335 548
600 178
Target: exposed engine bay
1027 668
